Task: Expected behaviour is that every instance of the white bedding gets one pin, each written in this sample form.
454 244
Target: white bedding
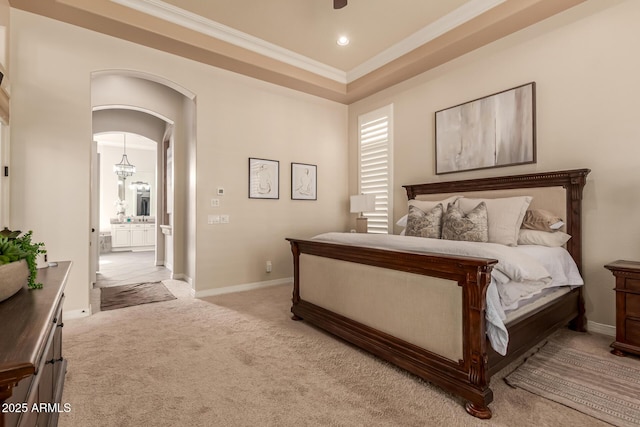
521 272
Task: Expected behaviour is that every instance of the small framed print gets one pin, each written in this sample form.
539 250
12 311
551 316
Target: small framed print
304 183
264 179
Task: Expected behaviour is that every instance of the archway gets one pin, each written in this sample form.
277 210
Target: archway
131 103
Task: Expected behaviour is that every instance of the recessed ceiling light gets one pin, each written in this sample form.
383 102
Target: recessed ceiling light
343 40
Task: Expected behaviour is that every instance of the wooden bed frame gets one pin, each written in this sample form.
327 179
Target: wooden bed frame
468 377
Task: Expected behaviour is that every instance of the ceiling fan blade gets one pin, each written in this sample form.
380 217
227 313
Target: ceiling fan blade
339 4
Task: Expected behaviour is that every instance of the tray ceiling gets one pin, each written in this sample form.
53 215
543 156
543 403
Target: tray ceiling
293 42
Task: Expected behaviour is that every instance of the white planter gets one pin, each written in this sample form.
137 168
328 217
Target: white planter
13 277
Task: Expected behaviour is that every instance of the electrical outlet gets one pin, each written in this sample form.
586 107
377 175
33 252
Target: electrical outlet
215 203
224 219
269 267
220 191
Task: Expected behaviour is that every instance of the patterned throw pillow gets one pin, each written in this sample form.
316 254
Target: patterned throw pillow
425 224
472 227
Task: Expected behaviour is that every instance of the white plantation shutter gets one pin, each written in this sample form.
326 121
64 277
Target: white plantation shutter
375 172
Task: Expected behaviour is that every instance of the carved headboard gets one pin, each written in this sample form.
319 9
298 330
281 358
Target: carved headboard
559 192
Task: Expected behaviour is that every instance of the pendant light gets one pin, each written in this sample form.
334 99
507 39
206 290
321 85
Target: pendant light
124 168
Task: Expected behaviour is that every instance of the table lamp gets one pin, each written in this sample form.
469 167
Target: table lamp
362 203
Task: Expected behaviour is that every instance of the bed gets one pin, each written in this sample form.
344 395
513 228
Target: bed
427 312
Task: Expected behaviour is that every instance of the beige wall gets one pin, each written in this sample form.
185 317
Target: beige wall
258 120
4 34
586 68
236 118
584 62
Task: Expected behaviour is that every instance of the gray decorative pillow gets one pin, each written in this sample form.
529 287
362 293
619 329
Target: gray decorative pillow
470 227
425 224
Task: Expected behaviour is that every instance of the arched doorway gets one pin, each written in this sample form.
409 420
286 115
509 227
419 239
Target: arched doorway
145 107
128 211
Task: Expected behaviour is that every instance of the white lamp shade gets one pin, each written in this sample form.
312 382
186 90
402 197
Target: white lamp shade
363 203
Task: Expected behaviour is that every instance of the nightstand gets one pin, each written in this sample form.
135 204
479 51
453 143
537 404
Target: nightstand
627 289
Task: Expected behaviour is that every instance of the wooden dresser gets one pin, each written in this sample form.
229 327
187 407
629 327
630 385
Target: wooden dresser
627 289
32 368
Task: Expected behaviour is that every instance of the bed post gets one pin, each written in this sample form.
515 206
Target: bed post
577 181
475 305
574 185
295 299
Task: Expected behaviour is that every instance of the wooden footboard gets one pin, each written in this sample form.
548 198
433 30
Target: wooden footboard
467 376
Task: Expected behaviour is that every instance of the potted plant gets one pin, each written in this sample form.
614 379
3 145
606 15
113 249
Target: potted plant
18 262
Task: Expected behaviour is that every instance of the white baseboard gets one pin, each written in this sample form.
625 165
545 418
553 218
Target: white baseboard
241 288
76 314
601 328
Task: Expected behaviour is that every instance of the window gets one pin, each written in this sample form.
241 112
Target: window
375 166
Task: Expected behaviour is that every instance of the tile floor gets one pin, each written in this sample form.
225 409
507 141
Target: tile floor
122 268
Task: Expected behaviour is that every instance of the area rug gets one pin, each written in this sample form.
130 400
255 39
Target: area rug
606 388
129 295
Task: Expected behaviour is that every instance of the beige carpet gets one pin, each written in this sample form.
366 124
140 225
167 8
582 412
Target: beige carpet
238 360
114 297
607 388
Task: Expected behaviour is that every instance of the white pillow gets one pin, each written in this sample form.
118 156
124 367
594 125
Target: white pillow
505 216
542 238
426 206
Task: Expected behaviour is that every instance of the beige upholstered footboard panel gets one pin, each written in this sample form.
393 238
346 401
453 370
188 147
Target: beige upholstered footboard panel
422 310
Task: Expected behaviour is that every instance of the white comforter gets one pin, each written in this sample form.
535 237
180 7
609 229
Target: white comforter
521 272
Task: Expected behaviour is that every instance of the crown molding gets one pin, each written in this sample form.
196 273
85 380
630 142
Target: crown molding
194 22
476 24
459 16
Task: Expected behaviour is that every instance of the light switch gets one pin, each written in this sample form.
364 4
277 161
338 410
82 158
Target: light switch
213 219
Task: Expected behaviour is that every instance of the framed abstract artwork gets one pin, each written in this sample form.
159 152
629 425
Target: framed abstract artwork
495 131
264 179
304 183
